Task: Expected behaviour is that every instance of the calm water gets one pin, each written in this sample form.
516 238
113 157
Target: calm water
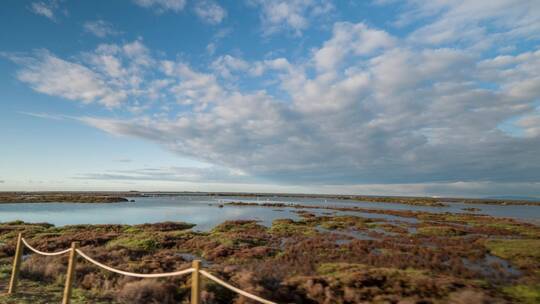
203 211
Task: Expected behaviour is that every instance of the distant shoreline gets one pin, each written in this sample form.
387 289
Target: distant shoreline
6 198
115 197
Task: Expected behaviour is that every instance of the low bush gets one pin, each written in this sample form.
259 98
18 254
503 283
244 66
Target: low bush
147 292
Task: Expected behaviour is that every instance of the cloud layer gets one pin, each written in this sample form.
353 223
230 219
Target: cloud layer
446 103
184 174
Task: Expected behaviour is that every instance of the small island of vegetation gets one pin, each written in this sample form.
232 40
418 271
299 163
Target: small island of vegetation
63 197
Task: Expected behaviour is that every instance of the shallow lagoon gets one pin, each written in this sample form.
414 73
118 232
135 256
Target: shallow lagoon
204 211
435 251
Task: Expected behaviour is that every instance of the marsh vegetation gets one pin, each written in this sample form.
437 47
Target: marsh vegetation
60 197
415 257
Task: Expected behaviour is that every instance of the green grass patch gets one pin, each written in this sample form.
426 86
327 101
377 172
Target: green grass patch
5 271
524 293
522 252
131 230
440 231
290 227
342 222
139 243
342 270
516 228
238 226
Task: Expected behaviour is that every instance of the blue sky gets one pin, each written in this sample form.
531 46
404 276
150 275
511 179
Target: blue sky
370 97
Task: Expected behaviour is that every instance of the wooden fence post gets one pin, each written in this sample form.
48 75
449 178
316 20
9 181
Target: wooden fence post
16 266
70 273
196 283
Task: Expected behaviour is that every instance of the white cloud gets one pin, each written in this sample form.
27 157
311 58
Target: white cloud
163 5
473 21
518 74
211 48
530 125
226 64
51 75
45 115
112 75
46 9
180 174
100 28
216 38
123 160
290 15
191 87
210 12
137 52
454 189
350 38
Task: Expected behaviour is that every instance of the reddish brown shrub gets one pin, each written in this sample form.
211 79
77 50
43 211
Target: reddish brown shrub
147 292
43 269
470 297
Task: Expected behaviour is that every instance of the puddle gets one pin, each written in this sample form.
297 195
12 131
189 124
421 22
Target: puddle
383 232
489 264
190 257
359 235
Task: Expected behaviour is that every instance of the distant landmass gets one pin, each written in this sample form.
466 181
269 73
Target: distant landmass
113 197
514 197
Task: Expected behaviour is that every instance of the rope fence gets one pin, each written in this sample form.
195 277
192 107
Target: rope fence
132 274
44 253
237 290
74 252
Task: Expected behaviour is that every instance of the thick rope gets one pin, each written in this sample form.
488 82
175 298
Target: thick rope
44 253
131 274
240 291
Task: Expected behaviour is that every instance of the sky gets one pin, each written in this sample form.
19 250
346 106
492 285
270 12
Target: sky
385 97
